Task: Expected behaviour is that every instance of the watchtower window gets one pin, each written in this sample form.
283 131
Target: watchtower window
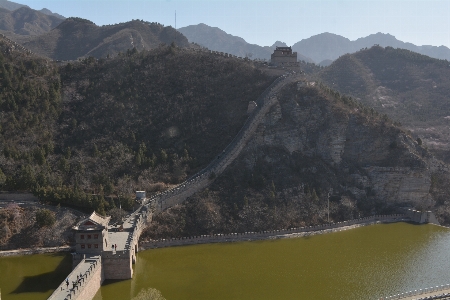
95 245
82 236
89 236
89 246
95 236
82 246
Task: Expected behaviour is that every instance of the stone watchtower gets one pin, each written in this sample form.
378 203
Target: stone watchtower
283 56
91 235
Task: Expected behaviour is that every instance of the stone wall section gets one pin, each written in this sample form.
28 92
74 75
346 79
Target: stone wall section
92 284
206 176
118 265
88 285
274 234
422 216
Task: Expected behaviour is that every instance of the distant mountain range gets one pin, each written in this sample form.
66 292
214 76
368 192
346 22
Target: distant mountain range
216 39
33 29
329 46
76 37
11 6
26 21
321 49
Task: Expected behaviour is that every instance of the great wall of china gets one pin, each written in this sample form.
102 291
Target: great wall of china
112 264
91 271
109 262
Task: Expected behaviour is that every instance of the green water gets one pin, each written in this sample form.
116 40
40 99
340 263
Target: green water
364 263
32 276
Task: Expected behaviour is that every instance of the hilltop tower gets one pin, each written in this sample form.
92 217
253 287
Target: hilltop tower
283 56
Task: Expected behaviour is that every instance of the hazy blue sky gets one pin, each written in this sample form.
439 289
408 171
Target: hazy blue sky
264 22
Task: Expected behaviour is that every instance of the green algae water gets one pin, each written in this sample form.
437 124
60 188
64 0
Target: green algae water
363 263
32 276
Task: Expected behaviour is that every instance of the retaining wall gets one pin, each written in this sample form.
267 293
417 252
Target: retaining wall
36 251
273 234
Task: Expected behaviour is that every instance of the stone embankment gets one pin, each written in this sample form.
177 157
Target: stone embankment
205 177
36 251
273 234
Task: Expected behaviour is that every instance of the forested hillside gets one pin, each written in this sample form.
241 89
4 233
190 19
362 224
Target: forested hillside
30 102
98 128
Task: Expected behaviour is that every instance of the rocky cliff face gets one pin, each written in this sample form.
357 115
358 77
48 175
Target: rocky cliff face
370 158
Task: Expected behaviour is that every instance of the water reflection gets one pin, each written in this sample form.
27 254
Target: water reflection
44 282
32 276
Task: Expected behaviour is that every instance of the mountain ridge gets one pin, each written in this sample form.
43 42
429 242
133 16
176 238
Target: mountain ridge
25 21
320 49
329 46
217 39
12 6
409 87
76 37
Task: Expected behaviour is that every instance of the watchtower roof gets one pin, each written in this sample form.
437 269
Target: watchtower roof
93 222
284 48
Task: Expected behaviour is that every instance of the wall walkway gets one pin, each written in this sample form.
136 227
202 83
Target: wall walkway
84 281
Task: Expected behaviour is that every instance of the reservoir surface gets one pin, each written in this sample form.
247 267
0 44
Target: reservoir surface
31 277
363 263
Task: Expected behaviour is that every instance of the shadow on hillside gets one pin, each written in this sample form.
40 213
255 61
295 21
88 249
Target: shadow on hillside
47 281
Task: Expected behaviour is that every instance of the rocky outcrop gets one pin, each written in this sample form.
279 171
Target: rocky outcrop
369 157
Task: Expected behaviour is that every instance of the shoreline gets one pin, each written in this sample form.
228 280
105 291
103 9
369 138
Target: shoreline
31 251
274 234
238 237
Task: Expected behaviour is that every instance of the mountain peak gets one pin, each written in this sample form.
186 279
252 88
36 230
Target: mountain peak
279 44
77 37
10 5
50 13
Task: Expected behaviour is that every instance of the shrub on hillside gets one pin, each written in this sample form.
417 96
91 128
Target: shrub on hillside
45 217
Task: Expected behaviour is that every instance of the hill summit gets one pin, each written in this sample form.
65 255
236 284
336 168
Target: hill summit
26 21
76 37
